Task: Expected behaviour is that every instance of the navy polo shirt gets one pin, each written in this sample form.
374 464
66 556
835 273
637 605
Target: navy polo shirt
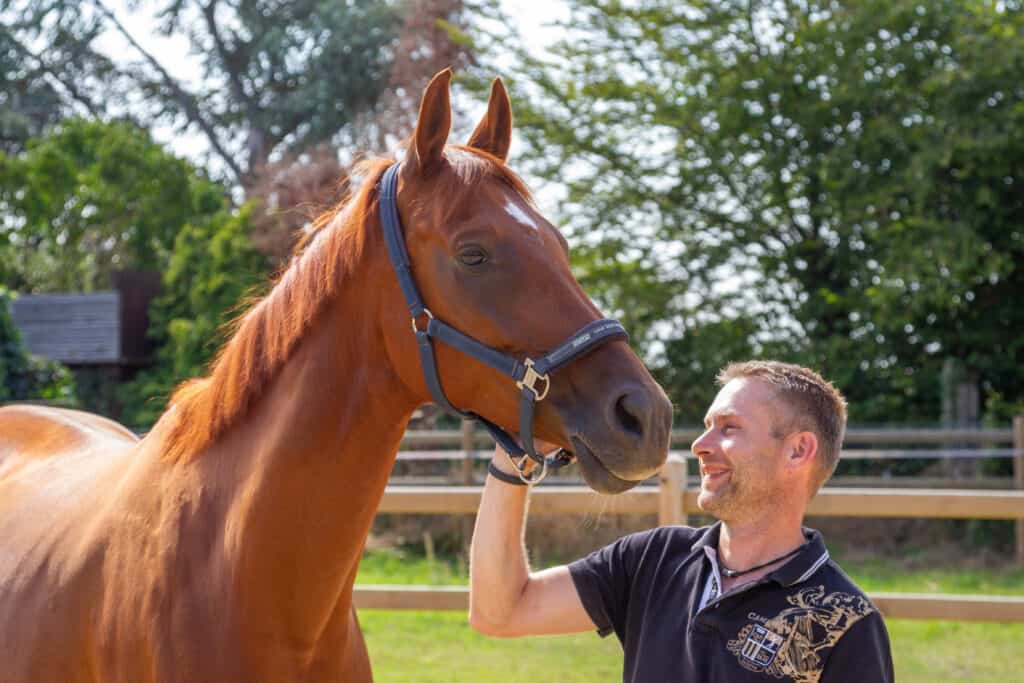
805 622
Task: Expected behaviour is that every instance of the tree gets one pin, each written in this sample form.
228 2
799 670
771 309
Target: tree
27 102
434 36
842 177
44 81
286 197
90 198
287 75
276 77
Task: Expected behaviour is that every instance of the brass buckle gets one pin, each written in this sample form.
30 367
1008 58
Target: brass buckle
535 476
529 381
426 312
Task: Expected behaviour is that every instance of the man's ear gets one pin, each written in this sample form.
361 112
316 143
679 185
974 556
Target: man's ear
494 132
433 124
801 449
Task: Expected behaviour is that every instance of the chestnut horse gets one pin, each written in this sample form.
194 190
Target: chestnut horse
223 546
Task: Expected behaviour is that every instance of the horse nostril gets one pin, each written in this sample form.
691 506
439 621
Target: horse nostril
629 408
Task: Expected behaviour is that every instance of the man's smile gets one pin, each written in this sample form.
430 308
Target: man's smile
713 473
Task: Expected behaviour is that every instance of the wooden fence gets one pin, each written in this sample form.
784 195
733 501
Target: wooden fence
672 501
856 438
989 608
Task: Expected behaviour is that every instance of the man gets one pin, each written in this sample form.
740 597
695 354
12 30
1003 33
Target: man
754 597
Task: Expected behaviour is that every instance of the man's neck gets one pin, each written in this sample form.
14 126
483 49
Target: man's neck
742 545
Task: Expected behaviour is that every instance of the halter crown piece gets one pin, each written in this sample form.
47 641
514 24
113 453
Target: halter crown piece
531 376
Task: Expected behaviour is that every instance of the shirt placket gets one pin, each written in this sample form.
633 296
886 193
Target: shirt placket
713 587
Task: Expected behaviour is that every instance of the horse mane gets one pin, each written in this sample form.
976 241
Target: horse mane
268 332
265 336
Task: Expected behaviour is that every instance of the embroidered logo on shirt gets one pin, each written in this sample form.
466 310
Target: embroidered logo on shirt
761 646
793 643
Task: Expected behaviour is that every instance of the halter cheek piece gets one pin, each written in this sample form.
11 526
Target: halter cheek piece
531 376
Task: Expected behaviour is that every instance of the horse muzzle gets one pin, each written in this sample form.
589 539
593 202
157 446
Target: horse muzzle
624 442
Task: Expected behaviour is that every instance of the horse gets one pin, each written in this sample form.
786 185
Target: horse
223 546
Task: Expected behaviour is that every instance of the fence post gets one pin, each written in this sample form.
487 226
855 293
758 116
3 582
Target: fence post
671 490
468 450
1018 479
468 428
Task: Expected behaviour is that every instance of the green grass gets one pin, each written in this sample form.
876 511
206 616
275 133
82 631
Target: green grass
422 647
432 647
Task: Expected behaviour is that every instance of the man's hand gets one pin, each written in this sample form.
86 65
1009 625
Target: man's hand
503 461
505 598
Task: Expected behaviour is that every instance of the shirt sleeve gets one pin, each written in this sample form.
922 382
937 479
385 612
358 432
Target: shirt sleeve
862 654
603 580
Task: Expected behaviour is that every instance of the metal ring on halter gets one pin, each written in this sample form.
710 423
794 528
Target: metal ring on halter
529 381
430 316
520 469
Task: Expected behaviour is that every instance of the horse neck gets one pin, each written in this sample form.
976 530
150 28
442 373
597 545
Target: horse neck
302 475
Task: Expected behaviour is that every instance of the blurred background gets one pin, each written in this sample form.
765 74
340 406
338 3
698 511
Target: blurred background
836 184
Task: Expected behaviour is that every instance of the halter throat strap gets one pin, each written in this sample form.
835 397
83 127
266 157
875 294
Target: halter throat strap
531 376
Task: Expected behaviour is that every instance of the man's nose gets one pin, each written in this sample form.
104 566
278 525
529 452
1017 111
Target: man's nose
702 444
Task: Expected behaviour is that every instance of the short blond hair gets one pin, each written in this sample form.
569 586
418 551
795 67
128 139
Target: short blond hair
813 404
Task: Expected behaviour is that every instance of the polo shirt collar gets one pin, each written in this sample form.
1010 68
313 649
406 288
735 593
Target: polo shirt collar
812 556
708 539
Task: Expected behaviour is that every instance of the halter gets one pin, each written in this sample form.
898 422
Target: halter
527 374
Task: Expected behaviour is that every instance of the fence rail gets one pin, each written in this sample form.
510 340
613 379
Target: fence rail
681 438
847 454
830 502
992 608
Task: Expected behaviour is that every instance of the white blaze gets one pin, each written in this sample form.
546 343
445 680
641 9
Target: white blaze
521 216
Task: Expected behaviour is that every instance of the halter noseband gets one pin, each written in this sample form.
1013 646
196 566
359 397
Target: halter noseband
527 374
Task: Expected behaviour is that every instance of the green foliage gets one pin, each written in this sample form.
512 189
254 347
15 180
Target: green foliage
212 269
702 352
838 181
276 77
24 376
90 198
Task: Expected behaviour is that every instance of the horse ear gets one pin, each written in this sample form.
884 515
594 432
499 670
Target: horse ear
434 122
494 133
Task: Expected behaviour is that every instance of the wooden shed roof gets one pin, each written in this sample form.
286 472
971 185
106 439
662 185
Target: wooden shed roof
71 328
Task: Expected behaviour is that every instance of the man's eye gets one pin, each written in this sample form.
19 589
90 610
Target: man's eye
473 256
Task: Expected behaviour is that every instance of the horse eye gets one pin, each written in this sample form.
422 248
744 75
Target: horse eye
473 256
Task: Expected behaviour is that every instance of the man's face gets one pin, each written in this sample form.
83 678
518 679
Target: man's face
740 452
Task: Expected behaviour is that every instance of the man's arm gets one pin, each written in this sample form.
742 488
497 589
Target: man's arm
505 599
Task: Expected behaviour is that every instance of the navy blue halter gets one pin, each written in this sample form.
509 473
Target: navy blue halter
527 374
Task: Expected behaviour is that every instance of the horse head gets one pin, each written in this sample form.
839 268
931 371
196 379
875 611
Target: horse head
487 263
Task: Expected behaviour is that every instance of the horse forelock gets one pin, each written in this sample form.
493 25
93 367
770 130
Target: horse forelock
471 165
267 333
